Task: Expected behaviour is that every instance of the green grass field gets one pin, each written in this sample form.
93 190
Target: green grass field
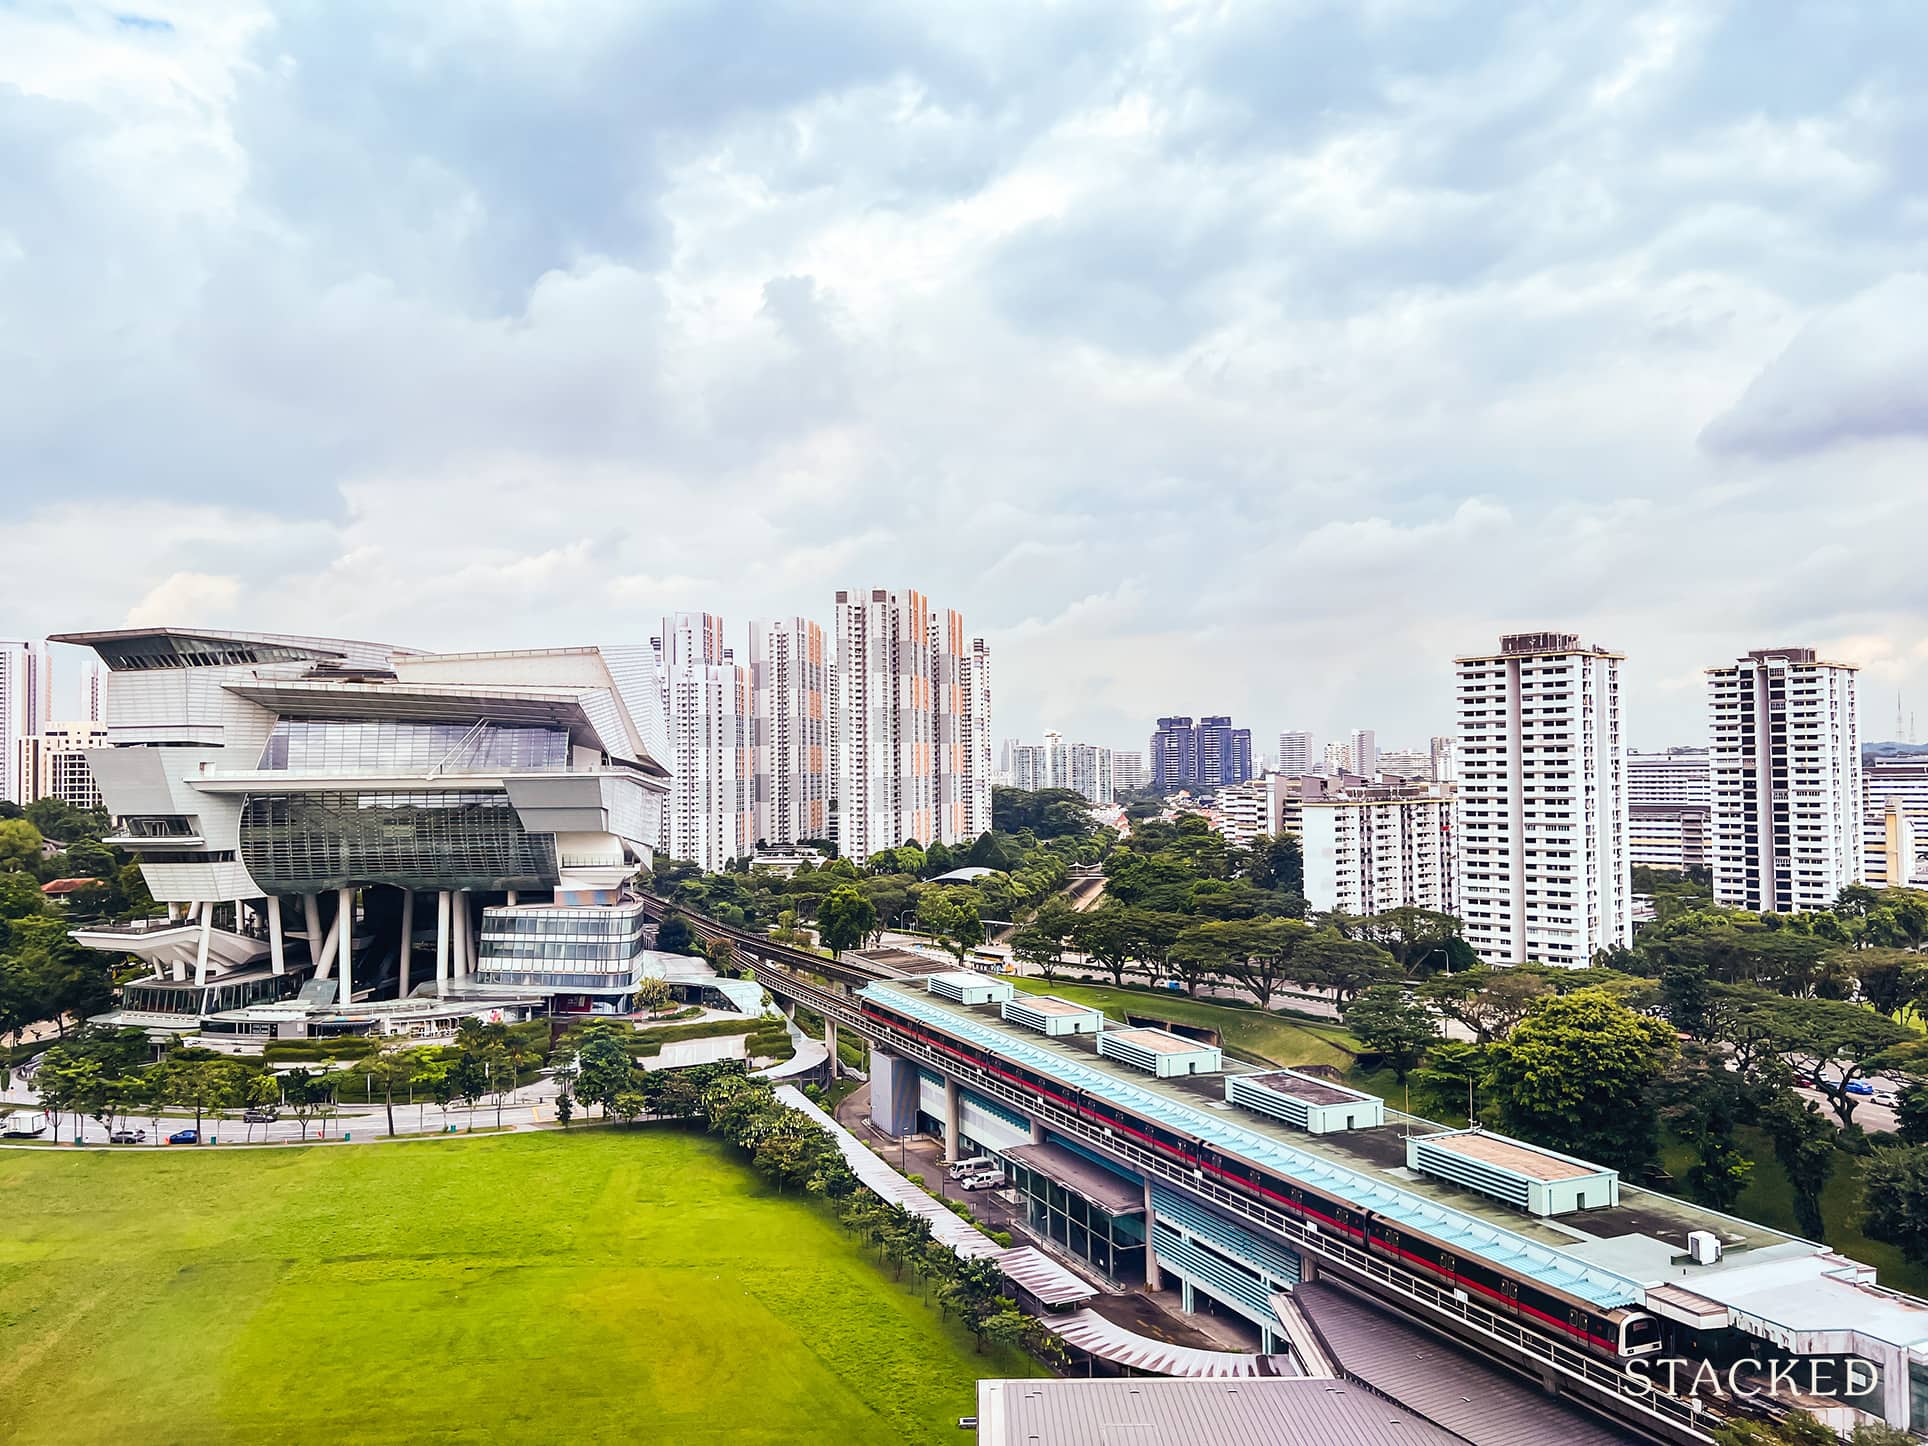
604 1285
1250 1031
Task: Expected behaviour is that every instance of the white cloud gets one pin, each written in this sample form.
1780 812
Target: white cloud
204 597
1218 357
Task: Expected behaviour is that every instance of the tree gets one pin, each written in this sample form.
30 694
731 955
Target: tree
1420 940
1035 946
1575 1075
263 1092
70 1081
1198 956
1911 1112
1489 1002
950 915
1326 959
1106 935
20 845
1806 1146
603 1067
469 1079
202 1084
1827 1041
384 1070
673 935
652 993
565 1108
1390 1022
845 918
1702 1101
1894 1202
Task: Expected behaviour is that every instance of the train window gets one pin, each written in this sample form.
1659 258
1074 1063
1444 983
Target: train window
1639 1335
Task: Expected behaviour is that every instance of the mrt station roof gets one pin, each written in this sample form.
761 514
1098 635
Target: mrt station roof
1605 1257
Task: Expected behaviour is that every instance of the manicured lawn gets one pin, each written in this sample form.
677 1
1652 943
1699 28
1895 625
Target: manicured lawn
604 1285
1250 1031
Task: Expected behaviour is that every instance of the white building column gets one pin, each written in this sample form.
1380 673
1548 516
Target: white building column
408 943
240 917
173 912
325 960
201 951
459 964
830 1042
277 953
951 1125
345 945
442 911
311 915
512 898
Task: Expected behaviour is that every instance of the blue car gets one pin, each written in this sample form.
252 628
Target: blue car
185 1137
1860 1087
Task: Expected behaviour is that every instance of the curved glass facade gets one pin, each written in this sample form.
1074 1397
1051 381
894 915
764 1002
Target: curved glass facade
333 745
447 839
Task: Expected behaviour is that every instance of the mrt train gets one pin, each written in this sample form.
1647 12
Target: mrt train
1610 1333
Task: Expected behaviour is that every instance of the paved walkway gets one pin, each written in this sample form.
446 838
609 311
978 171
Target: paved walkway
964 1238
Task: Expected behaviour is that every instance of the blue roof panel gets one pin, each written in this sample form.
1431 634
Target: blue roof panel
1464 1233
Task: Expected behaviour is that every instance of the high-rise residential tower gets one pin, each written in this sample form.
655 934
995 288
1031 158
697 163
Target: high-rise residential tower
1365 752
1786 762
706 701
789 731
1296 757
26 694
974 737
1445 763
1541 808
1128 770
886 784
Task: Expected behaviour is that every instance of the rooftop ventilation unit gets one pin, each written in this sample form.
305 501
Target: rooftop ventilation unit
963 986
1051 1015
1305 1102
1527 1177
1157 1052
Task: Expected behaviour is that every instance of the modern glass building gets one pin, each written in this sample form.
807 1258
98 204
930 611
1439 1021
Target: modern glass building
354 832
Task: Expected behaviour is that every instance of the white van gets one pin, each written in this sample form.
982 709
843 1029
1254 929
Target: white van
982 1180
957 1169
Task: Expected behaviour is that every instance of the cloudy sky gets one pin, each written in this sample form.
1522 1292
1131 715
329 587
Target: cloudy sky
1207 356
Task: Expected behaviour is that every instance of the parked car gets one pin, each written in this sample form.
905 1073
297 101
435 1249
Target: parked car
261 1117
185 1137
977 1164
1860 1087
1887 1097
982 1180
127 1137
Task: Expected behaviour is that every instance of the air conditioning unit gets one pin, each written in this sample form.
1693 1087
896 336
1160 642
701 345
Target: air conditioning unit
1703 1246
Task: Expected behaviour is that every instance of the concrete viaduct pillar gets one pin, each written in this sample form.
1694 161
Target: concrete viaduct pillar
951 1154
